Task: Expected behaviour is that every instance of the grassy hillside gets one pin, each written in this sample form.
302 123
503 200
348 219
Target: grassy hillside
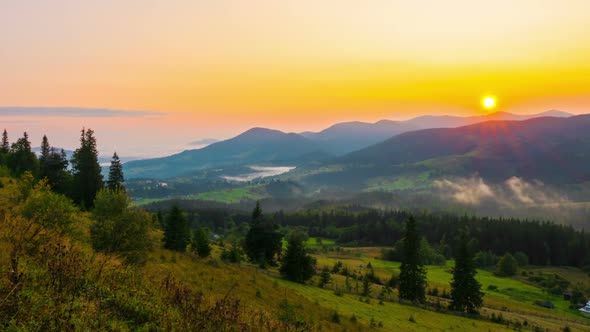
513 298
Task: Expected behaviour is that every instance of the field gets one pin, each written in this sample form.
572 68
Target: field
513 298
250 192
266 290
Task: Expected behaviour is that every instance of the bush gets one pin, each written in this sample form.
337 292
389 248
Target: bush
233 255
485 259
507 266
521 258
119 229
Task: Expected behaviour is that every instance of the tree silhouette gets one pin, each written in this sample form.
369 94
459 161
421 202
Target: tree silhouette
116 178
466 295
176 230
86 170
412 278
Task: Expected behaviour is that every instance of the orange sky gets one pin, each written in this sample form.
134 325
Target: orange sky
219 67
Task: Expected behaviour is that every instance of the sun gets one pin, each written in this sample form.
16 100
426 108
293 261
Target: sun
488 102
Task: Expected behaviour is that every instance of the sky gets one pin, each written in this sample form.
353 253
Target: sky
211 69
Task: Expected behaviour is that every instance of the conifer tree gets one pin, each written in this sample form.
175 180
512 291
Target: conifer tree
200 242
21 158
263 242
412 278
176 230
116 178
466 295
5 146
44 148
297 265
53 166
87 176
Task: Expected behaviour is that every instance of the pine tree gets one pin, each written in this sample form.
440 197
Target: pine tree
5 147
176 230
53 166
86 170
297 265
263 242
466 295
325 277
200 242
21 158
44 148
116 179
257 213
412 278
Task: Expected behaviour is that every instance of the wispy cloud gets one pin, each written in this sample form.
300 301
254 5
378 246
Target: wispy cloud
74 112
511 193
204 141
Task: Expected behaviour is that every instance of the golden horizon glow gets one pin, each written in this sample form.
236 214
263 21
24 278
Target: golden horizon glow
296 65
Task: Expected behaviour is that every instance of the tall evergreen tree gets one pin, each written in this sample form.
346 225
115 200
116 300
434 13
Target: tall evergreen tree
44 148
4 149
412 278
116 179
176 230
86 170
53 165
21 158
297 265
263 241
200 243
466 295
5 146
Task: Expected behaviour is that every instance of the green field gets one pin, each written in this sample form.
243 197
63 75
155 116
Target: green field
514 298
253 192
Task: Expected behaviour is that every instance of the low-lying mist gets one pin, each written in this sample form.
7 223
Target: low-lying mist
514 197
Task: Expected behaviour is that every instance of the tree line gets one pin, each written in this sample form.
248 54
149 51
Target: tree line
79 178
544 243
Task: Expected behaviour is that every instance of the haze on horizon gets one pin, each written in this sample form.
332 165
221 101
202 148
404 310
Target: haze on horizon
211 69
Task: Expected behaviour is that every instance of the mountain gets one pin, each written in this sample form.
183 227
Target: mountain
550 149
346 137
257 145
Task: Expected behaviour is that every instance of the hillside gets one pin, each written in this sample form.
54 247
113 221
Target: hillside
553 150
346 137
257 145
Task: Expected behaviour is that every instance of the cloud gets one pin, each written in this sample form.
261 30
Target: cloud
204 141
74 112
512 193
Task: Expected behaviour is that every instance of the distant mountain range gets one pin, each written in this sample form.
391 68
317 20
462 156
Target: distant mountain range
346 137
550 149
261 145
257 145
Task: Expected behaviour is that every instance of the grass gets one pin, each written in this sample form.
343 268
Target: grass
228 196
257 289
393 316
514 298
235 195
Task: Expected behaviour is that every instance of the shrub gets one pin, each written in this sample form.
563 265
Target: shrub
521 258
507 266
